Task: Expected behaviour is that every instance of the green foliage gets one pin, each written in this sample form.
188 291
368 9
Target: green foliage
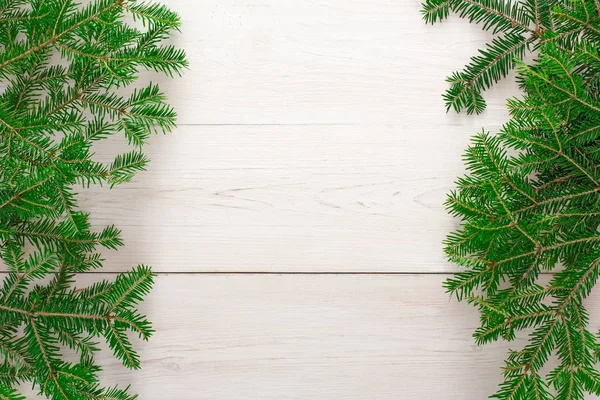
522 27
63 66
531 203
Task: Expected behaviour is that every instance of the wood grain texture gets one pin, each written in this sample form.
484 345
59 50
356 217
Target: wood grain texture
345 154
288 198
321 62
349 164
312 139
275 337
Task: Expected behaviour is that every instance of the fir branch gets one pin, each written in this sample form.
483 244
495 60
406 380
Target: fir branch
523 26
530 202
50 118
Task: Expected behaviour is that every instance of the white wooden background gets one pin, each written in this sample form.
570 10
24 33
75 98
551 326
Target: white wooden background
295 216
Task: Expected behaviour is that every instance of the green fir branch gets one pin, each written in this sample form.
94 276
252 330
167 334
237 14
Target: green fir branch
522 27
51 116
530 200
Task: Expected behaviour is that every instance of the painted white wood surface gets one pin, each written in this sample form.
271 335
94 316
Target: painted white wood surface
276 337
289 198
321 62
312 138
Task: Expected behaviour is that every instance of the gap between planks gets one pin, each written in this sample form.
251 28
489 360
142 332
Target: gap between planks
275 273
290 124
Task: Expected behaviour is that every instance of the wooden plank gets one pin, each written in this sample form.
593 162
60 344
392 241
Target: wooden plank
287 198
360 191
231 337
321 61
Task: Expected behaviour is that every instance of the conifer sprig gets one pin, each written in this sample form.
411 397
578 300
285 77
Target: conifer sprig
51 115
522 27
531 203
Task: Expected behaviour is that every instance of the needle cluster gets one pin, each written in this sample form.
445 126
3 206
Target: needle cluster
520 28
531 199
63 70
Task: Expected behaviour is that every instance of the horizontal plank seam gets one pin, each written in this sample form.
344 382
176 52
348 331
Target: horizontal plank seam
285 124
275 273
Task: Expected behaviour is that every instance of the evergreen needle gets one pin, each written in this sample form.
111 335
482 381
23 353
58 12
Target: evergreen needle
531 199
51 115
